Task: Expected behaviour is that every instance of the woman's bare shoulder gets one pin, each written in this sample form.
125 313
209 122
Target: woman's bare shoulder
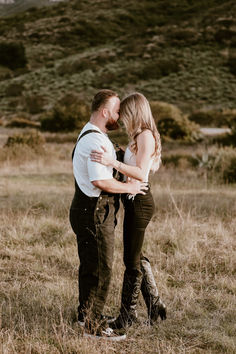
146 141
145 134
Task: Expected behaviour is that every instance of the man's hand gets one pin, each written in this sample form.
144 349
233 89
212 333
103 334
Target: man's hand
136 187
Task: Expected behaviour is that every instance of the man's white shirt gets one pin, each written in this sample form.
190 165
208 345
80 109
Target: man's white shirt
85 171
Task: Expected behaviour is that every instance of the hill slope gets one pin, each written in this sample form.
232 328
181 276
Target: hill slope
175 51
12 7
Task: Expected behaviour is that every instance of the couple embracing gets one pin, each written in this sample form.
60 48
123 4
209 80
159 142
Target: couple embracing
96 202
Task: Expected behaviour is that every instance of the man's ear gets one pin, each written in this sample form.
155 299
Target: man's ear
105 112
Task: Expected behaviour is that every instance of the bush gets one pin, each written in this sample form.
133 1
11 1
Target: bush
61 138
173 124
76 66
213 118
5 73
59 119
69 113
157 69
224 35
15 89
177 160
19 122
13 103
232 61
225 140
31 138
230 138
12 55
34 104
219 164
225 165
184 35
205 118
216 164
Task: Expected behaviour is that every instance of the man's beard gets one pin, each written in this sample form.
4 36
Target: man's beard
112 124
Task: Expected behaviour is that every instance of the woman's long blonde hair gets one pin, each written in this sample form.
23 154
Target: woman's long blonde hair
136 114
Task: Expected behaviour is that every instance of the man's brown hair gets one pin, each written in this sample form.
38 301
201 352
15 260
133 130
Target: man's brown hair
101 98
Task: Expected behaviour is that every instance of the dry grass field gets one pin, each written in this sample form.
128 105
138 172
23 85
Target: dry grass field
190 243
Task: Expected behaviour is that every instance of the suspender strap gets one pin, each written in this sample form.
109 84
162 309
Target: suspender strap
119 153
81 136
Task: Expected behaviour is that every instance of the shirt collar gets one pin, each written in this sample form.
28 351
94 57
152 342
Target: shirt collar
92 126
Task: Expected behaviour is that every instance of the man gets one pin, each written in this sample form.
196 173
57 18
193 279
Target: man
92 213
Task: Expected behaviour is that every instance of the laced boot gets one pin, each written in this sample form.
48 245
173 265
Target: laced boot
155 306
129 299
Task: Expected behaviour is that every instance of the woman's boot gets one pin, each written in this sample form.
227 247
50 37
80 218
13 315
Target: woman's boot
155 306
129 298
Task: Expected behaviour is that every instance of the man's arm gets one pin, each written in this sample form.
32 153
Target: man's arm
114 186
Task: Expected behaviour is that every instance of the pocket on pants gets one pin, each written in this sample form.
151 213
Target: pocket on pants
80 219
102 213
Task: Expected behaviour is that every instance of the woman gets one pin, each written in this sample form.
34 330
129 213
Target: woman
142 155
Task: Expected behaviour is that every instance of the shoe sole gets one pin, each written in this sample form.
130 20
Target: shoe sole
115 339
111 320
82 323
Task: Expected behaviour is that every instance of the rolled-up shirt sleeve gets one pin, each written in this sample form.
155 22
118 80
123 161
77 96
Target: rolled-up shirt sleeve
97 171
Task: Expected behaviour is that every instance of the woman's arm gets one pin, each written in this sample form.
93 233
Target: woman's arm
145 145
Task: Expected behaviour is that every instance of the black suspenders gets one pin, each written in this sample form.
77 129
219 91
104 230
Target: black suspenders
119 153
85 133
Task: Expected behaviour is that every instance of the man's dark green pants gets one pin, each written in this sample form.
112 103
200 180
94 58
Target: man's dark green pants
93 221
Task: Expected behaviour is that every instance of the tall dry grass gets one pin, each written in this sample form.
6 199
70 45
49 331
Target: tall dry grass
190 243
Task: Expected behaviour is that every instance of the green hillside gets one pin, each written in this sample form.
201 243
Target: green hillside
17 6
181 52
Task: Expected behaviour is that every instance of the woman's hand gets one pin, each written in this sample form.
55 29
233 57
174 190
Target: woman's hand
102 157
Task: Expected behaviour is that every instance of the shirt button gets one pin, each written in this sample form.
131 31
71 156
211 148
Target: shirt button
97 208
100 198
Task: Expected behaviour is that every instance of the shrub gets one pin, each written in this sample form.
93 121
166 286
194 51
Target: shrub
5 73
225 165
205 118
15 89
104 56
219 164
31 138
59 119
13 103
12 55
184 35
34 104
68 114
232 61
76 66
213 118
224 35
157 69
173 124
19 122
228 139
177 160
61 138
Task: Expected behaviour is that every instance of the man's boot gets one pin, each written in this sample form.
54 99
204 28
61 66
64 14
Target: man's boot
129 298
155 306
